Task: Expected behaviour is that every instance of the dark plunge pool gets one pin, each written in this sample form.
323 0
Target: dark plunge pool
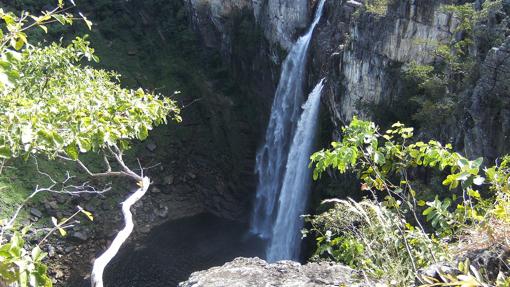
174 250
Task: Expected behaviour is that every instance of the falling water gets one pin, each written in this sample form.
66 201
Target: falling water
271 162
285 241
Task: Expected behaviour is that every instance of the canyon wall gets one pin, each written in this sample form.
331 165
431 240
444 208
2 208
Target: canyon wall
363 55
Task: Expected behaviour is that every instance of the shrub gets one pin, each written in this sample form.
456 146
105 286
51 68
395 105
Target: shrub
406 225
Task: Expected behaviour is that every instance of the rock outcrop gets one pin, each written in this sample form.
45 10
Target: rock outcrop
255 272
373 48
280 20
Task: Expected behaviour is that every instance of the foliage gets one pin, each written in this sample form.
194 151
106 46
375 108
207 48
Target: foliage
14 31
418 220
53 104
371 238
17 264
84 109
499 178
436 87
377 7
22 263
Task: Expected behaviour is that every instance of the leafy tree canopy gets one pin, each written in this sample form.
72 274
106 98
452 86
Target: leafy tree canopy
51 102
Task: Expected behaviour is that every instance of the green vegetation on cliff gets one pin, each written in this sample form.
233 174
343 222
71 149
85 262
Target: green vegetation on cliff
437 90
424 203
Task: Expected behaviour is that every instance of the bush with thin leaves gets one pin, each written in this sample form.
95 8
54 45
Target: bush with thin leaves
375 240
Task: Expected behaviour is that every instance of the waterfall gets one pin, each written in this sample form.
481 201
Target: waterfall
286 238
271 161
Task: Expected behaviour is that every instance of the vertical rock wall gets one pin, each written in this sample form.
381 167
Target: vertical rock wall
363 54
281 19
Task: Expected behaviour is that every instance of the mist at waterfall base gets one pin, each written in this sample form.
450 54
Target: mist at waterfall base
282 164
174 250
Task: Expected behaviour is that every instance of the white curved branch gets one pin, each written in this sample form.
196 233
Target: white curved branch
100 263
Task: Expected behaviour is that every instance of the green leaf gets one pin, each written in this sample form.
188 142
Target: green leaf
26 134
60 18
478 162
84 145
54 221
72 151
44 28
87 213
5 152
62 232
478 180
474 193
379 158
143 133
87 21
37 254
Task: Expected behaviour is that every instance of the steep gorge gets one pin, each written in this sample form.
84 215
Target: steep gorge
365 55
362 55
230 74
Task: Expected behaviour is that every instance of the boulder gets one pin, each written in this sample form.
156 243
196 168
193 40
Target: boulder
36 212
168 180
256 272
80 235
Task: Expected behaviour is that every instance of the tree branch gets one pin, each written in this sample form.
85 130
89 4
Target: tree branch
143 182
107 173
100 263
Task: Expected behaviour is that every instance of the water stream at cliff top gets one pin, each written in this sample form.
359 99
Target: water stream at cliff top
277 207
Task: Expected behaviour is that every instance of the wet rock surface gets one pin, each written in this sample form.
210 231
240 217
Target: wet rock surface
256 272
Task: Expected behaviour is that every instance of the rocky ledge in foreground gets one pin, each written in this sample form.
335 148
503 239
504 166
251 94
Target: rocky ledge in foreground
242 272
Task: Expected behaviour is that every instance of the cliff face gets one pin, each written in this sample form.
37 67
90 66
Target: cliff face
279 20
363 55
487 125
363 59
